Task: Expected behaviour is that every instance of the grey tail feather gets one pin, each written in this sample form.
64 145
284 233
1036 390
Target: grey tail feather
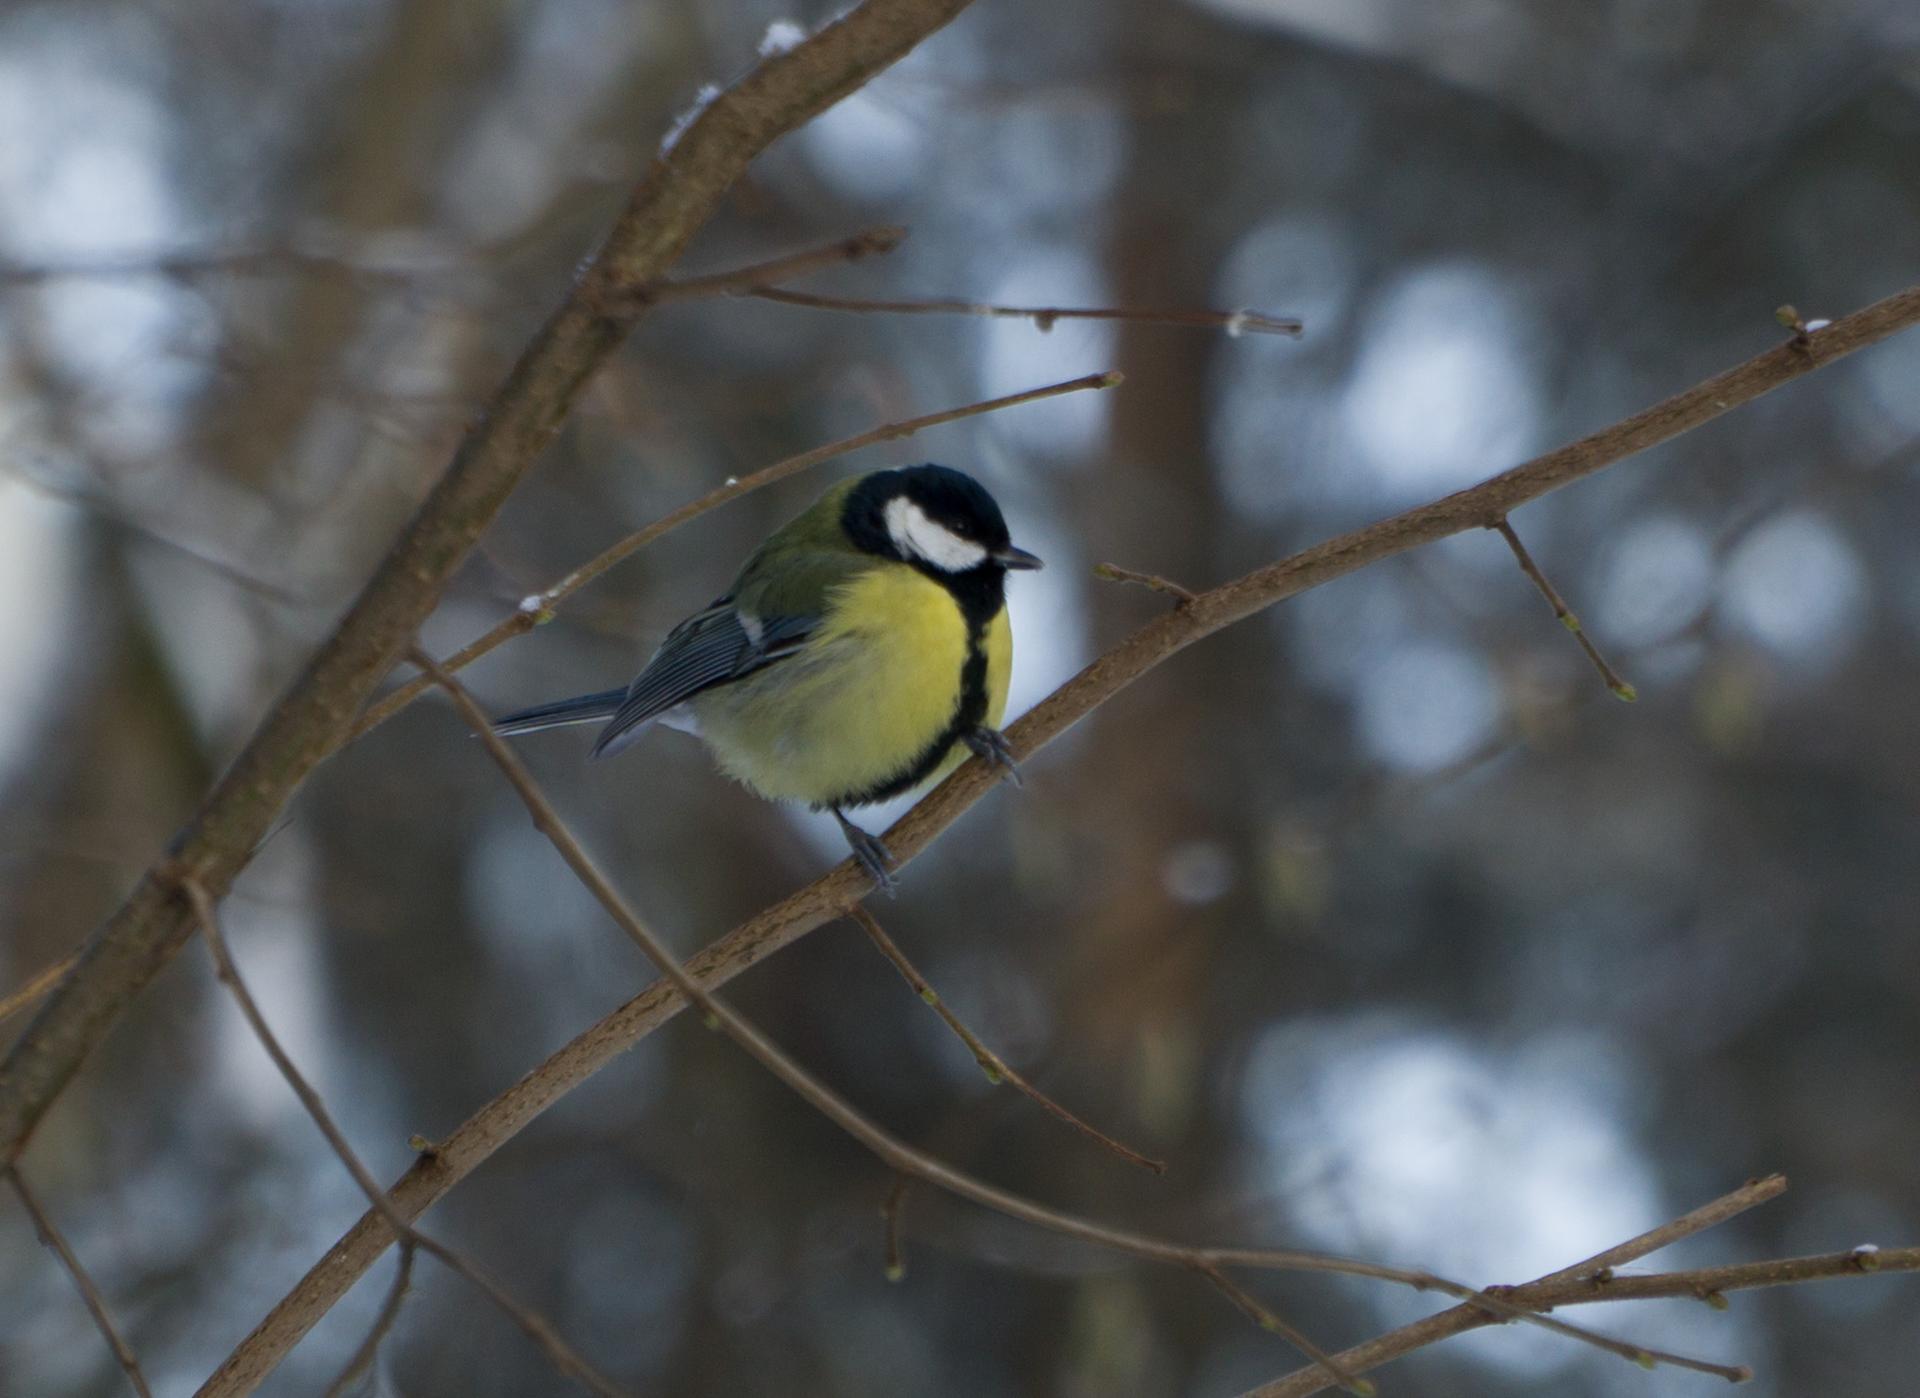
582 708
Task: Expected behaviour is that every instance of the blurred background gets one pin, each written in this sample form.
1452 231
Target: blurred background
1377 916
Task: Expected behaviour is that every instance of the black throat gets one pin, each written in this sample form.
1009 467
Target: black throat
981 595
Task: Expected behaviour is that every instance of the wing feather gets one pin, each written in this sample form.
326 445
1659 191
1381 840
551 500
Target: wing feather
713 647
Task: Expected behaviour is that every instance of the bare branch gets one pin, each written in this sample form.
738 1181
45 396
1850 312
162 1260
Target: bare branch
35 987
682 189
1708 1283
992 1064
89 1293
539 607
822 900
1235 323
1621 689
560 1354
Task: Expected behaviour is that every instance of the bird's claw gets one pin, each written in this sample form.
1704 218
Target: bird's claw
990 745
870 852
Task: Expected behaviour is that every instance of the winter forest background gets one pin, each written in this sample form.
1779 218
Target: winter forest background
1376 916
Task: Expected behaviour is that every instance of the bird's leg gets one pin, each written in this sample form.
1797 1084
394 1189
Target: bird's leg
871 852
991 747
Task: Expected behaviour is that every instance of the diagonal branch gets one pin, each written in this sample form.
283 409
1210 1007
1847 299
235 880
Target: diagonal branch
89 1293
559 1353
997 1069
682 190
822 900
1564 614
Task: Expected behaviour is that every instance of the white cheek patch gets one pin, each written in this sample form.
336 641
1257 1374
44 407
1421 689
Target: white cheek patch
913 533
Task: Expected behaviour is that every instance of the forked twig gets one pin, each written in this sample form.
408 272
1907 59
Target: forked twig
1564 1287
996 1068
560 1354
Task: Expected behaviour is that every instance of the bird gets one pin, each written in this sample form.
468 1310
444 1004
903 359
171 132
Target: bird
862 651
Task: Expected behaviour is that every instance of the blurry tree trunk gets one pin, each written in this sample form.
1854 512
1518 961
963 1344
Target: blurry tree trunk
1143 783
368 168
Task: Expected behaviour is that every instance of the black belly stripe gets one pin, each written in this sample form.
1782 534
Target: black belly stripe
968 715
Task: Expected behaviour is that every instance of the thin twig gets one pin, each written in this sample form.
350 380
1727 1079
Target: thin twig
560 1354
1710 1284
89 1293
1711 1215
757 276
185 264
1268 1320
1621 689
1113 572
891 1210
538 608
284 261
35 987
363 1357
1235 323
995 1067
783 923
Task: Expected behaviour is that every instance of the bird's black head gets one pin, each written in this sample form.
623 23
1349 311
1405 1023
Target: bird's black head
936 519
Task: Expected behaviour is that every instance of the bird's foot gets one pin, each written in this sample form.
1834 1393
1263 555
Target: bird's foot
872 854
990 745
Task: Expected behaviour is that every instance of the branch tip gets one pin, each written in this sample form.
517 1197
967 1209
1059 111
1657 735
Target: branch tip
1113 572
996 1068
1619 688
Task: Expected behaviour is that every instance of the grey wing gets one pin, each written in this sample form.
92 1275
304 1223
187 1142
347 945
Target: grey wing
711 648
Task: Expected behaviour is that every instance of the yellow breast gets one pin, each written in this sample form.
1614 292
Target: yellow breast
864 697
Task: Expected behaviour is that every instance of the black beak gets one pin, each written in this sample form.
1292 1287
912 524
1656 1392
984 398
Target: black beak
1011 557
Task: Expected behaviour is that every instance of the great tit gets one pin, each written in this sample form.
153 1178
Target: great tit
862 650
